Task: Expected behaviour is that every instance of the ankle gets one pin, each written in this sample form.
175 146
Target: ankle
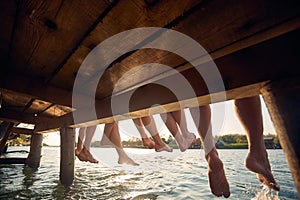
257 150
213 160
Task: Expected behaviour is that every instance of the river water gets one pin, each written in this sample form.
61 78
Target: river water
159 176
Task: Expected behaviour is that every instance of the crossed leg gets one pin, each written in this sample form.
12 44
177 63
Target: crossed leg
140 126
159 146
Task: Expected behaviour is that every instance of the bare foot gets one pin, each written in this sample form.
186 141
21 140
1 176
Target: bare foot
148 143
191 139
217 180
86 156
186 142
259 164
77 151
124 159
163 147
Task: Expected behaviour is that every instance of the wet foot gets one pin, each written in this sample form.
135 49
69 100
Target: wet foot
217 180
259 164
86 156
163 147
124 159
148 143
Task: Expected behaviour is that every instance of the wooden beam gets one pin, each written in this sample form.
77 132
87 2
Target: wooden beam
33 87
142 106
24 131
35 153
67 156
17 117
282 99
5 137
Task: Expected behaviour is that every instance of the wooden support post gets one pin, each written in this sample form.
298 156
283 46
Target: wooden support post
5 137
67 155
35 153
282 99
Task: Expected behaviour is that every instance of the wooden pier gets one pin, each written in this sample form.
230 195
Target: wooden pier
253 43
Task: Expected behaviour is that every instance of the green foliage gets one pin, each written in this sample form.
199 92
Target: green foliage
231 138
235 146
23 140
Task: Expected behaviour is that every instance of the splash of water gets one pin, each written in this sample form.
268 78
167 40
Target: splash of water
266 194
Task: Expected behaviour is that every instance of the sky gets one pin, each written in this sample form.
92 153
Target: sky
224 121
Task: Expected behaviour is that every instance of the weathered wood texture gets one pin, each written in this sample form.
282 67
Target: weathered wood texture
20 107
47 31
240 21
282 99
270 60
124 16
8 10
51 38
67 156
35 153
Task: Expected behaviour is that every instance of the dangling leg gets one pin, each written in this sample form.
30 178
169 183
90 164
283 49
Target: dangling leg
146 141
105 140
217 180
81 135
114 137
249 113
171 124
85 154
149 123
180 119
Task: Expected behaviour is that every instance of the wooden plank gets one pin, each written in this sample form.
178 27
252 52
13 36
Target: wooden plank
248 19
37 106
213 39
145 78
34 88
12 101
24 131
7 17
124 16
24 103
43 27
